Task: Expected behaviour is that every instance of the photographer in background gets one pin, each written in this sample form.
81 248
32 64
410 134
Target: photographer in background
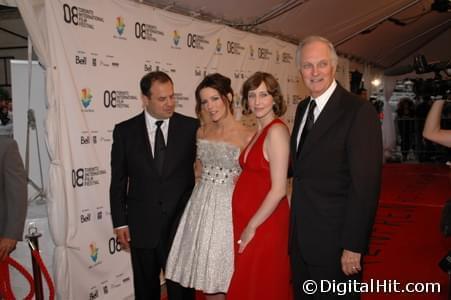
432 130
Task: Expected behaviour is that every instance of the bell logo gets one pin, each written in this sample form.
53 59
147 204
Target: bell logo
80 60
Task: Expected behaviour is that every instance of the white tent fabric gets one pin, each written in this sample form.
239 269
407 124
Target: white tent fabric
11 3
34 14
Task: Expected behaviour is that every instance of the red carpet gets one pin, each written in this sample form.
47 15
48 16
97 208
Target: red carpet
407 244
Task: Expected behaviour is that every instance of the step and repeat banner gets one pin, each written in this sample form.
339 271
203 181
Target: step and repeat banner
99 51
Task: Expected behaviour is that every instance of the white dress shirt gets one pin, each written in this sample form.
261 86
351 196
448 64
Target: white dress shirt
152 129
321 101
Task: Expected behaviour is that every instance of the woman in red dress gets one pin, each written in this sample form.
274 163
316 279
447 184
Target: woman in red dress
259 205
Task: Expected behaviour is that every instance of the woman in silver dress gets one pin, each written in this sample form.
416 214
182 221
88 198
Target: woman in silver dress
201 256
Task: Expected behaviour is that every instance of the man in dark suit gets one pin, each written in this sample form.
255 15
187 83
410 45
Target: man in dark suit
13 196
336 159
152 178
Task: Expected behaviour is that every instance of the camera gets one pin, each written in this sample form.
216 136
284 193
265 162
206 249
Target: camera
436 87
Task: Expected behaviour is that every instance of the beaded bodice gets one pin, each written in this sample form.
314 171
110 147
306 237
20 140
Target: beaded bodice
219 161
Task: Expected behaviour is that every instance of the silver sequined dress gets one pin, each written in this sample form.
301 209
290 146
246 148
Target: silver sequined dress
201 256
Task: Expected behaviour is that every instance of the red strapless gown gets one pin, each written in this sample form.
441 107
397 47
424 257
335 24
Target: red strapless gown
262 271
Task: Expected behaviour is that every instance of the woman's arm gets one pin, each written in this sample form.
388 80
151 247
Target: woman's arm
432 130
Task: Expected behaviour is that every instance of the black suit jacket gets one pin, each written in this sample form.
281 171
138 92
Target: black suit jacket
336 178
148 203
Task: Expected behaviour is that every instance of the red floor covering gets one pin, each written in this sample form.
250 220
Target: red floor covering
406 243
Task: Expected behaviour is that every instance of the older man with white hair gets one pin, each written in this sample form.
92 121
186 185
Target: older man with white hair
336 148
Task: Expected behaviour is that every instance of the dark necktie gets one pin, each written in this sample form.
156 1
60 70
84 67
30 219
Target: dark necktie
307 126
160 147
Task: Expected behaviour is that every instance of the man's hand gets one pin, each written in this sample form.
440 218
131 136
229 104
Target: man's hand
6 247
123 236
350 262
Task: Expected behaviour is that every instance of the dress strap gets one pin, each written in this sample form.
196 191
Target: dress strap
275 121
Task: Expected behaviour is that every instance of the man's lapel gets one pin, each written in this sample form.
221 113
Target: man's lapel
302 106
143 135
172 148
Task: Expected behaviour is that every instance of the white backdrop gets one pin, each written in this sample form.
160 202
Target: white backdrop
95 53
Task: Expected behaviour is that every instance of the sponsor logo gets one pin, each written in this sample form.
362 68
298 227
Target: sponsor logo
81 60
115 285
120 25
94 251
84 218
147 32
94 255
238 75
88 139
175 39
120 28
79 16
251 52
179 97
147 68
196 41
234 48
118 99
86 97
109 60
104 63
86 176
105 139
94 294
198 72
287 58
263 53
218 46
